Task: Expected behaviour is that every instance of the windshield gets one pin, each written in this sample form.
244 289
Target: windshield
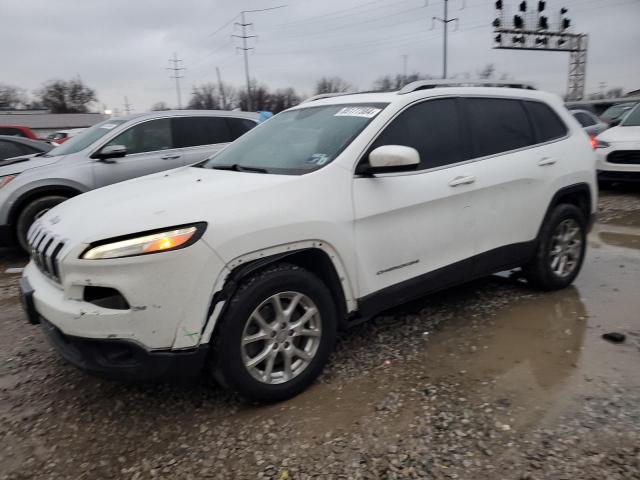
614 111
297 141
85 138
633 118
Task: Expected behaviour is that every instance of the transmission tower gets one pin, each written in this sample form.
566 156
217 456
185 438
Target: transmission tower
445 20
176 75
245 48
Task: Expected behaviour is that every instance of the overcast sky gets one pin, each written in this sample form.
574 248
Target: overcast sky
121 47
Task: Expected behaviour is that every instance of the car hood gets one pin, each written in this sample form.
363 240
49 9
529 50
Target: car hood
176 197
25 162
621 134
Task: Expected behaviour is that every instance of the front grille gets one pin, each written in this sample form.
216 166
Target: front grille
628 157
45 249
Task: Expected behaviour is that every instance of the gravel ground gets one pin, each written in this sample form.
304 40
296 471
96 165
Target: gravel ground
491 380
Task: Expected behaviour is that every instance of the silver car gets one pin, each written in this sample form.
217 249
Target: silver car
590 123
111 151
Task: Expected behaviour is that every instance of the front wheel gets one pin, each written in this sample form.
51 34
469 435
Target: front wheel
276 334
560 251
32 212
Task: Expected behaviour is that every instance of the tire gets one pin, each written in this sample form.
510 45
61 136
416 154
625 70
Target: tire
31 213
544 271
304 347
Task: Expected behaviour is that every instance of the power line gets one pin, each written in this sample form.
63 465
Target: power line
176 75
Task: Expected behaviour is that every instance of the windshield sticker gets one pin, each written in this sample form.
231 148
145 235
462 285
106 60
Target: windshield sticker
318 158
364 112
109 126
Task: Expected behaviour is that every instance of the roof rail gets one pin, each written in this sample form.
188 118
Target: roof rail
325 95
427 84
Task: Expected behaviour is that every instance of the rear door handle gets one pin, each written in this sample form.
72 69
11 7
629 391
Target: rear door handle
543 162
464 180
170 157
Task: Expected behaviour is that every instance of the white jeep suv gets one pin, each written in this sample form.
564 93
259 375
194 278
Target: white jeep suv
323 216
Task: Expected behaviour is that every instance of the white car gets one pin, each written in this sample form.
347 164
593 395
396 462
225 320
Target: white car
319 218
619 150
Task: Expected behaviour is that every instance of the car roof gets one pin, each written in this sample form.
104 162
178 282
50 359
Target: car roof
191 113
441 90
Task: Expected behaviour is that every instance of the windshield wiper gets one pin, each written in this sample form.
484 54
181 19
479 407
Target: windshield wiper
240 168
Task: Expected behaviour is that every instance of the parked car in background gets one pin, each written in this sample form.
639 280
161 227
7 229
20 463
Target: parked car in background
590 122
616 113
321 217
109 152
21 147
18 131
61 136
619 150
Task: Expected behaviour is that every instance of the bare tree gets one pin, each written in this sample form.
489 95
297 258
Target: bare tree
332 85
284 98
390 83
159 106
12 97
205 97
487 72
66 96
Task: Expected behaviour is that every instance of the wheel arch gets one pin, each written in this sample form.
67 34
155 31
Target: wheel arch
39 192
315 256
578 194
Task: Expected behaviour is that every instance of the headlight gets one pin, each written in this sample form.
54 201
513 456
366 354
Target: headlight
149 242
6 179
602 144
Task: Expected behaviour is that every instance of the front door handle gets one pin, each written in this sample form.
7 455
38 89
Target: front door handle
170 157
464 180
546 161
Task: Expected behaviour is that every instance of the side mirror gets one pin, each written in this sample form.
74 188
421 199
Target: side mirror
392 158
111 151
615 123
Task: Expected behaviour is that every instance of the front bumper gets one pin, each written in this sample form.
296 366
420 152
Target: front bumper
166 297
618 176
117 359
124 360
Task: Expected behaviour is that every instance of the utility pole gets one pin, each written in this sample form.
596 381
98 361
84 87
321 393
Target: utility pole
127 106
445 22
404 69
245 48
176 74
243 24
221 88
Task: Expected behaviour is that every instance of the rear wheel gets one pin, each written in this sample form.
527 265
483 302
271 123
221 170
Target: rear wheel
276 335
32 212
560 251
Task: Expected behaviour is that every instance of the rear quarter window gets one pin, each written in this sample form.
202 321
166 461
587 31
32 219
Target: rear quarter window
240 126
497 125
194 131
547 123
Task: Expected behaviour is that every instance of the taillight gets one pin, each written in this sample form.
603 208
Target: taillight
593 142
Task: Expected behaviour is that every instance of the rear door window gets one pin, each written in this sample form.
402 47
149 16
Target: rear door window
240 126
546 122
432 128
150 136
497 125
194 131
